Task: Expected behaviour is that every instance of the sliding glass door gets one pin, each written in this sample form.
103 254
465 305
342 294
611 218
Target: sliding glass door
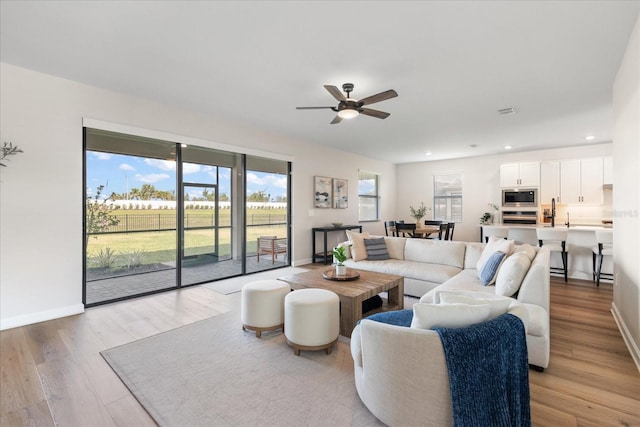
161 215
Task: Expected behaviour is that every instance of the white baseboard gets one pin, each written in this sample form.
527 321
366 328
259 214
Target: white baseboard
41 316
626 336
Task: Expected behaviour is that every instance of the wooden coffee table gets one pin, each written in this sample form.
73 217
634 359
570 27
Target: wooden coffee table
353 292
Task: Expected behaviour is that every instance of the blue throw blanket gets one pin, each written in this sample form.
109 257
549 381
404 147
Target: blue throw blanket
488 373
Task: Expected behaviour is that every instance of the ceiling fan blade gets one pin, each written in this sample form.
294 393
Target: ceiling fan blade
374 113
378 97
335 92
312 108
336 119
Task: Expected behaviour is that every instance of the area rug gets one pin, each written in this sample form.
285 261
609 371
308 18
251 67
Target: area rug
212 373
235 284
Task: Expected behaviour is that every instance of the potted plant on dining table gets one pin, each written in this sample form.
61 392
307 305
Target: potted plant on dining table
418 213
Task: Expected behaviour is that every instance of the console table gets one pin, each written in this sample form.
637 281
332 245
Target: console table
326 255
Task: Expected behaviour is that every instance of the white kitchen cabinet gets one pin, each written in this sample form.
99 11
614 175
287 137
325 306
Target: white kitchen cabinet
608 170
581 181
516 175
549 182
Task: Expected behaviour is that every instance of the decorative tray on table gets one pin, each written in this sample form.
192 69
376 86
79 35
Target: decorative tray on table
330 274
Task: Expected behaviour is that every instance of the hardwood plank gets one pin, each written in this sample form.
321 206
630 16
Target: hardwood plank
544 416
128 412
36 415
19 381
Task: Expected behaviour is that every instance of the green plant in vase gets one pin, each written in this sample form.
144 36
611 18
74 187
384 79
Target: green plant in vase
340 255
419 212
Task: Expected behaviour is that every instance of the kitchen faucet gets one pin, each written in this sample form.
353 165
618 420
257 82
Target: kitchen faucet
553 212
567 223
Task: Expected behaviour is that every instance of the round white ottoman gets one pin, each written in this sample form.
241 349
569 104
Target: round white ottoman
311 319
262 307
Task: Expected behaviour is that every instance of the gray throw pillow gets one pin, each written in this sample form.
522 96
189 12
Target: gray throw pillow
376 249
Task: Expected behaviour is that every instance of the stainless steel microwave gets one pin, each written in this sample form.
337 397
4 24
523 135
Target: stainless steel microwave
520 197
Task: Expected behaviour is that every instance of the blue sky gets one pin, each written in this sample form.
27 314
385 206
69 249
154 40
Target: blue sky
119 173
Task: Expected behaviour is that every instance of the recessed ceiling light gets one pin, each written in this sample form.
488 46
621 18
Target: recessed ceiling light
428 153
183 145
507 147
590 137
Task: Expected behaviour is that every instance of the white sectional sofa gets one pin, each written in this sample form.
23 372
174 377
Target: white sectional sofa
432 266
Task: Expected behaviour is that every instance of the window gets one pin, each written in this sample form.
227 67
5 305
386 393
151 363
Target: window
368 198
447 197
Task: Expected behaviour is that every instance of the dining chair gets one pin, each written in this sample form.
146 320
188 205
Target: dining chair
405 229
450 227
432 222
442 232
387 225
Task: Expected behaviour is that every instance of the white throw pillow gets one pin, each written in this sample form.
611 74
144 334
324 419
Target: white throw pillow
358 250
429 316
494 245
511 274
395 246
527 249
497 304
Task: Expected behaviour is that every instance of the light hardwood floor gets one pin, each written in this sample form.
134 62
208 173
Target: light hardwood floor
52 372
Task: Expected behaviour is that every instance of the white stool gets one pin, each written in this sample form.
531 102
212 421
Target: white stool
263 305
495 231
311 319
604 247
556 240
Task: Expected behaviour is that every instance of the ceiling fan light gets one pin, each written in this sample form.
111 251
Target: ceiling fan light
348 113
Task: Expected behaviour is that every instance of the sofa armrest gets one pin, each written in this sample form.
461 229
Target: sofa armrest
535 287
403 378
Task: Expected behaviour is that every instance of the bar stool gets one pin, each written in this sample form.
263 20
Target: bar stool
556 240
495 231
604 247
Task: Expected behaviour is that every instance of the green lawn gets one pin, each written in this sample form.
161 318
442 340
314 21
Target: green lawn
151 247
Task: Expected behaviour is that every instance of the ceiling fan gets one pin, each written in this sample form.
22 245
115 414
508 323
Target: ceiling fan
349 108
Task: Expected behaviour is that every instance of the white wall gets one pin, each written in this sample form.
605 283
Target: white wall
626 195
480 182
41 249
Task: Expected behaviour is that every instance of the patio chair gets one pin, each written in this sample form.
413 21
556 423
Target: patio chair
272 245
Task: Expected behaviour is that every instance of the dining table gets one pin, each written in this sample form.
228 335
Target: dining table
423 231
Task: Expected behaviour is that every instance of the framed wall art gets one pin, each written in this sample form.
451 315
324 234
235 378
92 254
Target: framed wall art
340 193
322 188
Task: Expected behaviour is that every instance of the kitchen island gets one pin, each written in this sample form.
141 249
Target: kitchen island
580 241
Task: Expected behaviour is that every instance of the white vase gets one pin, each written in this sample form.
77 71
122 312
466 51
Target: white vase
341 270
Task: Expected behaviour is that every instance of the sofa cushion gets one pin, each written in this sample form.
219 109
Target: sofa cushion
433 273
429 316
497 305
395 246
473 254
435 252
466 280
376 249
512 273
358 251
527 249
494 245
487 274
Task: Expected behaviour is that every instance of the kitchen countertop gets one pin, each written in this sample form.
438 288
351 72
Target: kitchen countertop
584 227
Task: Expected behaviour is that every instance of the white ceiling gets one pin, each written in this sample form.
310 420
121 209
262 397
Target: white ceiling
453 64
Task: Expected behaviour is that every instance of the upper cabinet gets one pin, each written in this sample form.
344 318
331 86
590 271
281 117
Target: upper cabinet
549 182
514 175
581 181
